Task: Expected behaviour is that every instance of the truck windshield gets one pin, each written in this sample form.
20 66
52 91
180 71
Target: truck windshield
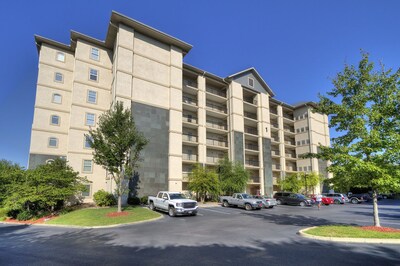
246 196
176 196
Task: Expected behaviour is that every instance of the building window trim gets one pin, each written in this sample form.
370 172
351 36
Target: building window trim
58 77
50 139
86 119
89 97
250 82
54 99
93 75
53 122
85 166
95 53
86 144
89 192
60 56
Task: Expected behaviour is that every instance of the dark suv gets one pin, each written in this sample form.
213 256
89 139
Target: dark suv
358 198
291 198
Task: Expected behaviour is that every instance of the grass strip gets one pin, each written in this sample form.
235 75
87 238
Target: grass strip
351 232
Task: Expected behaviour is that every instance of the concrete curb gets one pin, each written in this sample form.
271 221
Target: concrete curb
303 233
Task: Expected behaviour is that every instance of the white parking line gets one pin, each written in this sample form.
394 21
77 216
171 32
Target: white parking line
215 211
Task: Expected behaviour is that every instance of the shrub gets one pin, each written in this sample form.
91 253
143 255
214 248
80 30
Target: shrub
103 198
24 215
133 201
3 214
144 199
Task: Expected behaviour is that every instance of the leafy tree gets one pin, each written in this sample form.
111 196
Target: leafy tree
9 174
117 145
364 106
44 188
290 183
203 181
233 176
309 180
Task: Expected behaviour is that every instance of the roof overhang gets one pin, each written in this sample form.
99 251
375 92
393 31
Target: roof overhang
257 75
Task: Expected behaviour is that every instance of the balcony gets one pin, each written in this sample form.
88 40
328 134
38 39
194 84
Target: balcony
289 129
254 179
189 119
215 142
288 116
216 107
253 147
189 157
275 153
251 130
250 115
290 142
189 137
274 125
273 111
211 159
215 91
189 83
276 167
217 124
252 162
250 100
291 168
290 155
189 100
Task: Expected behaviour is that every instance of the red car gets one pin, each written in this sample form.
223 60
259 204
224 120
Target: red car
325 200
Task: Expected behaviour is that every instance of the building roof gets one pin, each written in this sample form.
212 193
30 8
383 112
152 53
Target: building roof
257 75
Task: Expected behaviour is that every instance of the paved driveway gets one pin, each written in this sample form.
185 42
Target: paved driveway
217 236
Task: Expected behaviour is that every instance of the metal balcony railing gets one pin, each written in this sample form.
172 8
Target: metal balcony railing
290 117
252 162
250 115
190 83
250 100
276 166
215 142
211 159
275 152
273 111
215 124
215 91
216 107
251 130
189 100
189 119
188 137
253 147
189 157
275 125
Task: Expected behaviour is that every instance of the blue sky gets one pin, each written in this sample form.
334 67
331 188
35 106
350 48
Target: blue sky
296 46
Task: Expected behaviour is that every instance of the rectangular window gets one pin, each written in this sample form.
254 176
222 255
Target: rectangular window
303 142
90 119
87 166
87 192
60 57
53 142
94 54
298 130
302 129
310 168
57 98
93 74
55 120
91 96
58 77
251 82
307 128
298 143
300 168
88 140
308 141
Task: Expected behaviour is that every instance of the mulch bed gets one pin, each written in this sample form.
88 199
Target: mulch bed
380 229
117 214
37 221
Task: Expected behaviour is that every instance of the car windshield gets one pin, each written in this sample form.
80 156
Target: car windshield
301 196
246 196
177 196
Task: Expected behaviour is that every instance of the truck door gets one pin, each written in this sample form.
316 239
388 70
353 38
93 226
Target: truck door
165 201
159 200
239 200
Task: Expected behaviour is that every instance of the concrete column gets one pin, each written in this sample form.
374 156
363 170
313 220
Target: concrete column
201 117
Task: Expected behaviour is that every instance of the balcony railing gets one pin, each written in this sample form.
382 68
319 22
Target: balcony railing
215 142
189 119
189 100
217 125
215 91
291 168
252 162
290 142
216 107
273 111
254 179
211 159
290 155
190 83
250 100
253 147
275 125
275 152
250 115
276 167
290 117
275 138
289 129
189 137
189 157
251 130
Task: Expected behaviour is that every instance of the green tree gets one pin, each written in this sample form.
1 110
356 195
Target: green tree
309 180
290 183
203 181
117 145
9 174
364 108
44 187
233 176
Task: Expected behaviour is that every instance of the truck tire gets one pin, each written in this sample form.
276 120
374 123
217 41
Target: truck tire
337 201
171 211
225 203
302 204
354 200
151 206
278 202
248 207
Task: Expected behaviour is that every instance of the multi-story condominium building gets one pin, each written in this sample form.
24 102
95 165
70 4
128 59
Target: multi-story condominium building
189 115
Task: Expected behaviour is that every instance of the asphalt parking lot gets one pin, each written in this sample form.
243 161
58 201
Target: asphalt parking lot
217 236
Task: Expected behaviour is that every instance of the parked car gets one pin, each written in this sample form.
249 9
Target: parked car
359 198
291 198
242 200
338 198
325 200
268 202
175 203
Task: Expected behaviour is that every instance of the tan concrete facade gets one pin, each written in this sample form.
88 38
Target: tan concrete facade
208 117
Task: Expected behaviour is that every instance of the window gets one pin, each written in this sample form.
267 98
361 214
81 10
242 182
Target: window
93 74
87 166
57 98
300 168
87 191
87 141
302 129
298 143
53 142
90 119
298 130
60 57
94 54
58 77
55 120
303 142
251 82
310 168
308 141
307 128
91 96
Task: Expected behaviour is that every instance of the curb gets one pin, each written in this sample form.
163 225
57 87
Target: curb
348 239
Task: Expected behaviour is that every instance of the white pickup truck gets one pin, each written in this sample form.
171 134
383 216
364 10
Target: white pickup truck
241 200
175 203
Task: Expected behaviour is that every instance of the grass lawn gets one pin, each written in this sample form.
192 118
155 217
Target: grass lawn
99 216
351 231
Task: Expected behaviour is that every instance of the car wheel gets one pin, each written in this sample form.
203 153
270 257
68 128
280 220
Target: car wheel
151 206
336 201
278 202
225 203
271 207
354 201
171 211
302 204
248 207
194 214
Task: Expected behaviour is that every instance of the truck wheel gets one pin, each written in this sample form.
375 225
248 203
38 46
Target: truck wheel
278 202
336 201
225 203
171 211
248 207
151 206
354 200
270 207
302 204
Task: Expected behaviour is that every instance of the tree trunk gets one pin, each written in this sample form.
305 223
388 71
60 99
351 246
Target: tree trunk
119 203
376 214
